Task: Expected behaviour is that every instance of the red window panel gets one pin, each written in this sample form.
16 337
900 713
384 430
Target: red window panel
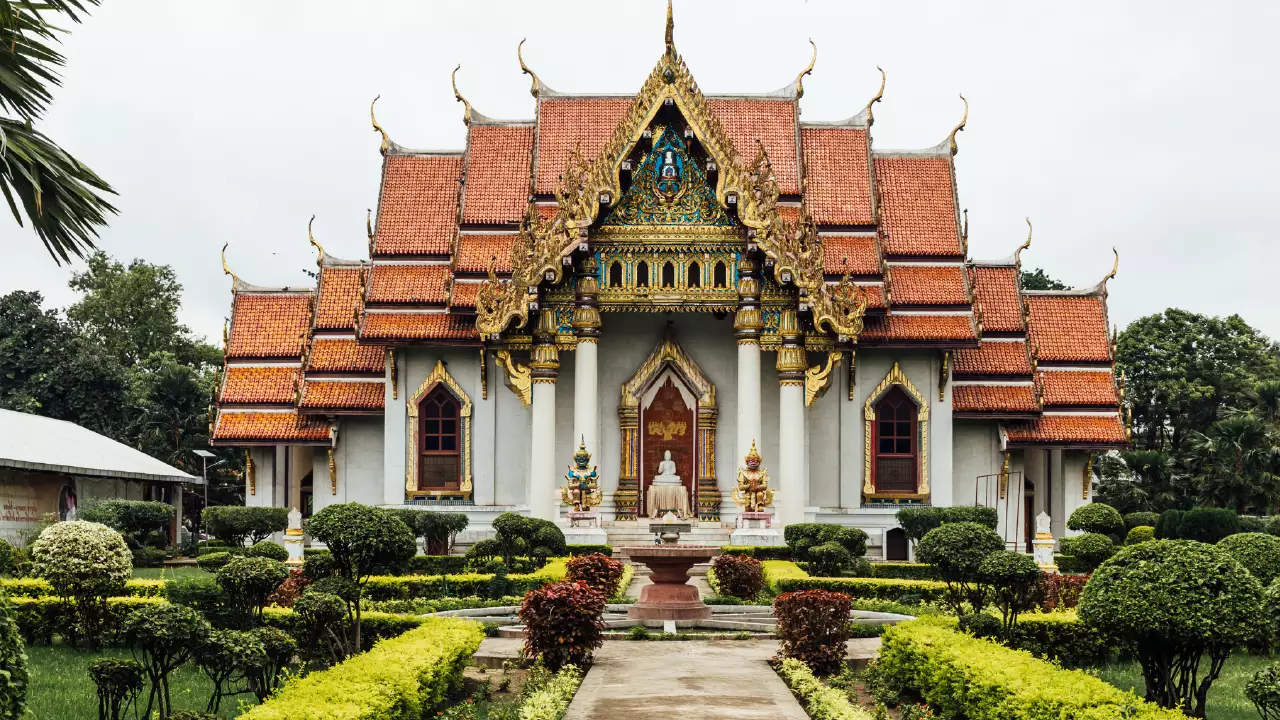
439 441
895 444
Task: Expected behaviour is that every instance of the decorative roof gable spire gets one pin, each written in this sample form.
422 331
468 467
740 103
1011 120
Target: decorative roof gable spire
806 71
670 36
312 238
1017 254
466 113
879 96
536 87
952 138
387 144
227 270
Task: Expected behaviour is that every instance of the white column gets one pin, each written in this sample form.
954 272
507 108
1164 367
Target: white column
791 443
542 465
748 398
395 420
484 435
586 421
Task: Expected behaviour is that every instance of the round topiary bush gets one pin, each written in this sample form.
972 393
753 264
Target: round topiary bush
1171 602
1090 550
829 559
13 664
85 563
1013 578
1096 518
1273 526
600 572
739 576
213 561
956 550
1271 604
987 516
1208 525
1140 534
1259 553
563 624
1168 525
248 581
1137 519
268 549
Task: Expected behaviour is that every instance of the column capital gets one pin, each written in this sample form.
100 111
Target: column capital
586 313
792 361
748 323
544 365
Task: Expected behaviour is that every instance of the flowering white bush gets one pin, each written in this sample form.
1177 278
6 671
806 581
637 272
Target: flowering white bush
85 562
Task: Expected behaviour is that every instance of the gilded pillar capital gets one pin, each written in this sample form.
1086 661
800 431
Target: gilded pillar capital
586 312
544 365
792 361
748 323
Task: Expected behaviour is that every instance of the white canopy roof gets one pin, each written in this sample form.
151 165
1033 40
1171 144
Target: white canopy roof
32 442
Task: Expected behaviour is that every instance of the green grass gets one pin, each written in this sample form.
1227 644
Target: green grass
61 689
1226 697
180 572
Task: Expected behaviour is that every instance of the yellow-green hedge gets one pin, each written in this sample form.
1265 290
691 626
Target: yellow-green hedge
428 587
964 676
820 701
39 587
784 576
403 677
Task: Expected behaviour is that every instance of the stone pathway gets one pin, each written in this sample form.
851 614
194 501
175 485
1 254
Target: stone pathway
715 680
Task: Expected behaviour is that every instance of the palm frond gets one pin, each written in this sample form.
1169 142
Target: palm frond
28 58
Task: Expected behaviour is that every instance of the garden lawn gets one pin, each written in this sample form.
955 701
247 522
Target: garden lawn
1226 697
179 572
61 689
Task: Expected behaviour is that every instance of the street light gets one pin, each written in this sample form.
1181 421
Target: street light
204 457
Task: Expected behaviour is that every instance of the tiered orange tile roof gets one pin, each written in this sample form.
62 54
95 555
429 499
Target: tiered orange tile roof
996 291
476 250
901 328
918 208
269 324
839 189
928 285
323 395
418 326
499 158
1068 328
344 355
994 400
773 124
463 294
1068 429
851 254
418 209
408 284
260 385
1077 387
992 358
563 123
339 298
267 428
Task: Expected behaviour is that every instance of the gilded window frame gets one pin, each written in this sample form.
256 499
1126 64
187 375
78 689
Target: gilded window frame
896 378
439 375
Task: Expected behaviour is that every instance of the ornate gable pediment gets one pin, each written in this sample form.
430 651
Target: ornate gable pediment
669 190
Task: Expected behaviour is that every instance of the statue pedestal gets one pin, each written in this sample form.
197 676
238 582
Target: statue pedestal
756 536
293 539
1043 552
585 536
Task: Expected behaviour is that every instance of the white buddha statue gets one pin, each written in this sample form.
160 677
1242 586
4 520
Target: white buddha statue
666 471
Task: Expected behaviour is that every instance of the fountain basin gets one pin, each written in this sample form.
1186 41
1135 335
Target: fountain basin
670 596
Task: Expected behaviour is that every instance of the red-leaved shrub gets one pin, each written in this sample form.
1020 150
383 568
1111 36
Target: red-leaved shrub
600 572
563 623
1060 592
739 576
814 625
290 589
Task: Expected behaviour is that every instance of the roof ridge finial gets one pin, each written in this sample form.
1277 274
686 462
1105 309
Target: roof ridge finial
227 270
806 71
956 148
1017 254
312 238
466 114
879 96
671 28
1111 275
537 84
386 139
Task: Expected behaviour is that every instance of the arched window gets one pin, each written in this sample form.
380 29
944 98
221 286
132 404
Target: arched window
668 275
642 274
439 441
720 276
615 275
895 444
695 275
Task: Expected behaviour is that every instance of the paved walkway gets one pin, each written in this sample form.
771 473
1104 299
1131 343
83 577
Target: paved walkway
724 680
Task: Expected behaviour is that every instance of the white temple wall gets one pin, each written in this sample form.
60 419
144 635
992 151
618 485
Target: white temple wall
358 459
264 463
566 443
824 442
393 431
1073 486
511 448
975 453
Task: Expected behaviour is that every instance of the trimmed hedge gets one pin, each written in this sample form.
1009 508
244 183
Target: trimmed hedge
586 549
428 587
783 576
39 619
1057 636
759 552
374 626
904 571
964 676
820 701
437 564
404 677
38 588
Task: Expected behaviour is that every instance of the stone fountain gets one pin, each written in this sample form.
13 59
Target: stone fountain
670 596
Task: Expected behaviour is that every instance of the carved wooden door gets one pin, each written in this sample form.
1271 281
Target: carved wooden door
667 423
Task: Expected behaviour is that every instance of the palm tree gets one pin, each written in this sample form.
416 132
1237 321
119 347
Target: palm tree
1140 480
63 199
1237 463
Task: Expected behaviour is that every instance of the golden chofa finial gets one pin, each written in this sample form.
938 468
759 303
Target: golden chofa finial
386 139
956 148
806 71
537 84
879 96
671 31
466 113
312 238
234 280
1017 254
1111 275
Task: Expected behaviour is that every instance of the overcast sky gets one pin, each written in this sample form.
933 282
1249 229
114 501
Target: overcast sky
1148 126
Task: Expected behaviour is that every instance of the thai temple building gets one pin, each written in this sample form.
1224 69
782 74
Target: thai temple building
672 271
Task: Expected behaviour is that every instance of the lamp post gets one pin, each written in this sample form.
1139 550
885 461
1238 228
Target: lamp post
204 474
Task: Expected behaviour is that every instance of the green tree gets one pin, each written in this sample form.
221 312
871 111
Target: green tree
1236 463
1040 280
1182 369
1140 480
63 198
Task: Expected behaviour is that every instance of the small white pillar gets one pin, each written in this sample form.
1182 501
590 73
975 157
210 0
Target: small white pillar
293 539
1043 544
790 466
585 403
748 397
